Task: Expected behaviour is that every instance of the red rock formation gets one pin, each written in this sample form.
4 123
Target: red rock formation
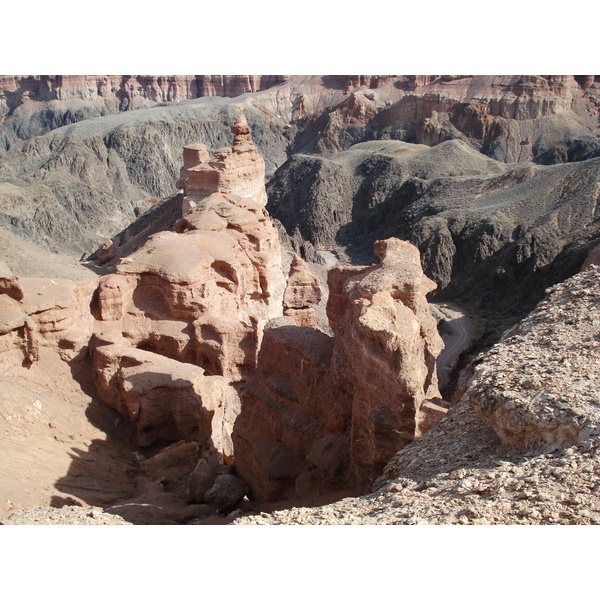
238 170
188 342
385 350
289 410
302 293
193 156
326 413
234 85
182 318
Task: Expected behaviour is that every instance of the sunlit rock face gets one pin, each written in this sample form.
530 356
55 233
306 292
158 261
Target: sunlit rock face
182 318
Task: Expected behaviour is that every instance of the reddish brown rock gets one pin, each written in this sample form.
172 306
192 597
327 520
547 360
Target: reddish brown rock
193 155
187 341
182 317
386 345
165 399
129 92
328 413
239 170
593 258
107 252
302 293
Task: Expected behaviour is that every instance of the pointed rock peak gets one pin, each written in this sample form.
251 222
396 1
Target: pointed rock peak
242 140
240 125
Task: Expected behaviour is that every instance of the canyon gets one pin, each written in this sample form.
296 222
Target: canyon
266 287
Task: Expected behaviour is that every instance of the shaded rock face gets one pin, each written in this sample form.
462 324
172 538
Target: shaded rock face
325 412
520 446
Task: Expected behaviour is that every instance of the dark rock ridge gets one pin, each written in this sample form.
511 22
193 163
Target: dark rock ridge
76 186
492 235
32 105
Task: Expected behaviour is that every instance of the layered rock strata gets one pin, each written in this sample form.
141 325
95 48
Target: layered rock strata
182 317
126 92
97 167
238 170
325 412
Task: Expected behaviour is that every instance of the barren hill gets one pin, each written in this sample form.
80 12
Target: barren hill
492 235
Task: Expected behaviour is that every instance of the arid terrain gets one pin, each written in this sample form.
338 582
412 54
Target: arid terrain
299 299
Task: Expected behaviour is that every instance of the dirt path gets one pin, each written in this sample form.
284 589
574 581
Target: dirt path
460 329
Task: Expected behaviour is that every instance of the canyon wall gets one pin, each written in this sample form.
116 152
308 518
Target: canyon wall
328 413
84 162
519 447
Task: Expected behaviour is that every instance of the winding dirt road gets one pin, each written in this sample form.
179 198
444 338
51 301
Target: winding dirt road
458 339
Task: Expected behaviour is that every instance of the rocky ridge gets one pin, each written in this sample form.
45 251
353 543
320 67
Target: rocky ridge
95 176
492 236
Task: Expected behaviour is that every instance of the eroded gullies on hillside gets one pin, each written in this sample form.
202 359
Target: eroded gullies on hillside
208 341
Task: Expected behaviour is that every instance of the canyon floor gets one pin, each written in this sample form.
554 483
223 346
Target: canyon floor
460 472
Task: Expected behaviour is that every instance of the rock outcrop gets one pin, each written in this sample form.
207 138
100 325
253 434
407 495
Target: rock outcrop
327 413
182 317
239 170
210 352
538 389
520 446
166 337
